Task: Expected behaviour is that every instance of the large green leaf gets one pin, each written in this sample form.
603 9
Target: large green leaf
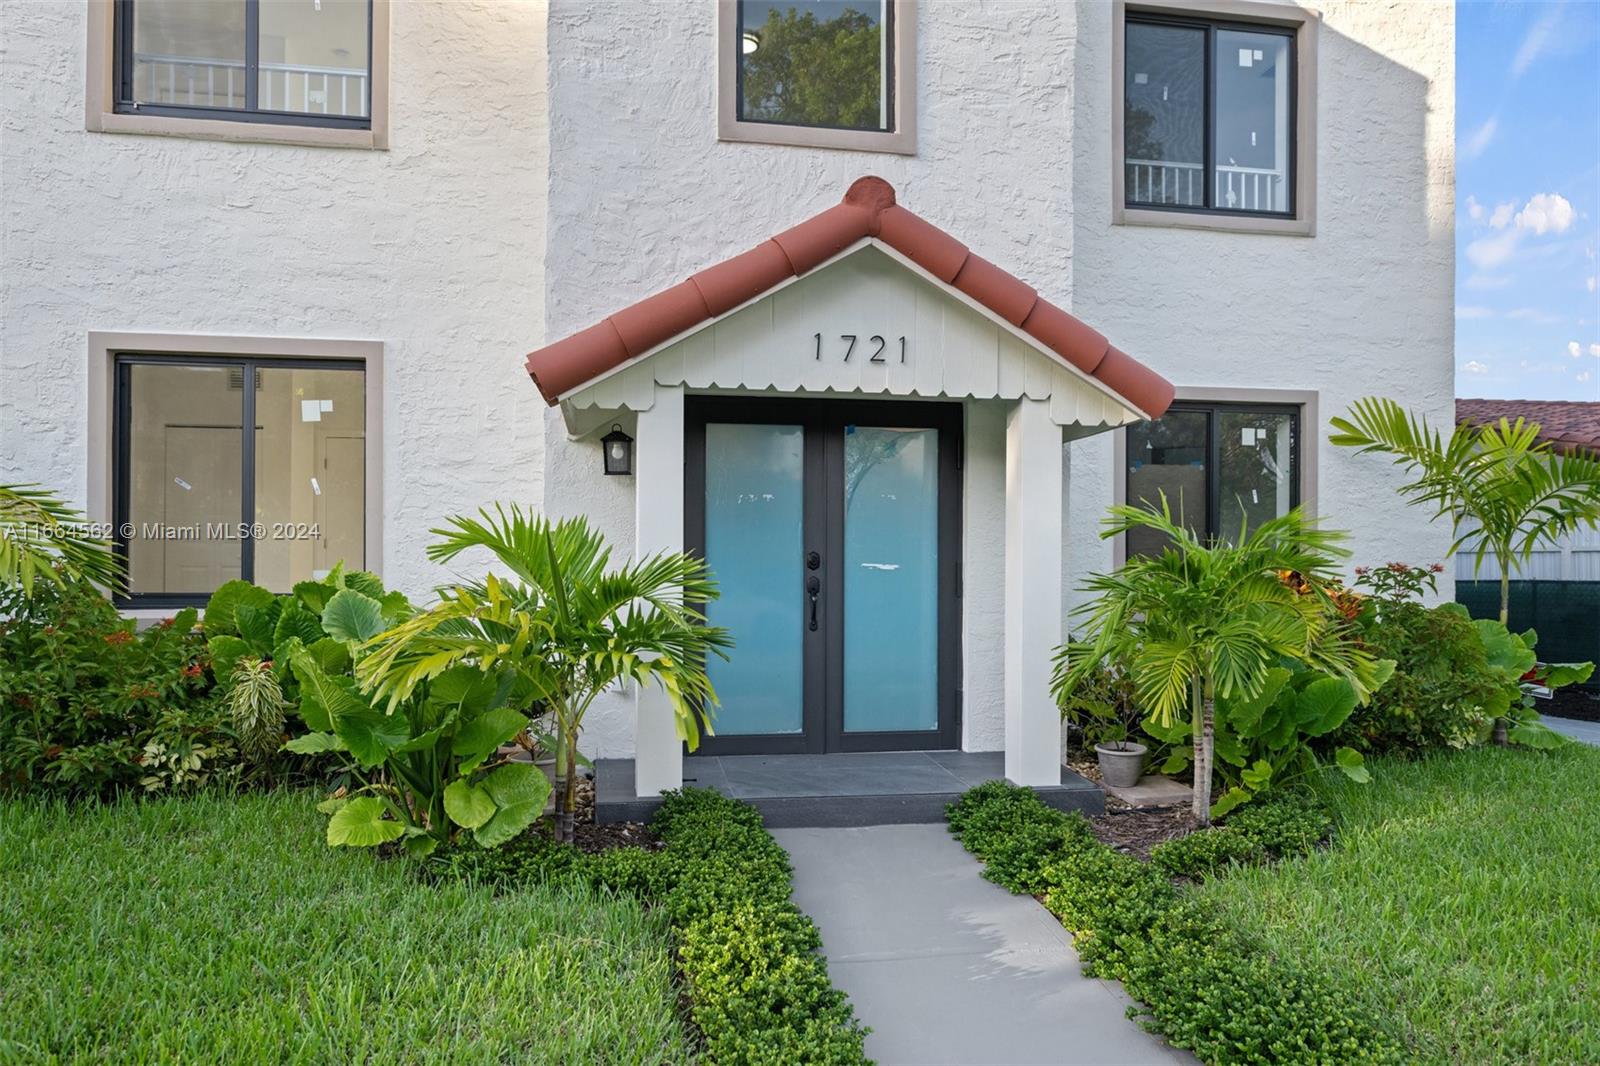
295 621
222 608
365 582
258 624
1559 675
1505 650
1245 714
1323 705
323 698
314 744
1352 765
361 824
1230 799
370 734
468 805
519 791
1178 730
314 595
226 651
331 655
477 739
1258 776
353 617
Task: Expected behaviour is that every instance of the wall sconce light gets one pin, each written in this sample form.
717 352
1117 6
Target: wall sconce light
749 42
617 447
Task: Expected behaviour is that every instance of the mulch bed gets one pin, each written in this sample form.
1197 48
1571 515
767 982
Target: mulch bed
1135 830
589 837
1573 702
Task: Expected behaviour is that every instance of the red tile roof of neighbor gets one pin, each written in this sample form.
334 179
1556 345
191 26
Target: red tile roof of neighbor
1569 425
868 210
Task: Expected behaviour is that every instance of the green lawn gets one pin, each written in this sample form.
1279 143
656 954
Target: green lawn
1461 896
223 929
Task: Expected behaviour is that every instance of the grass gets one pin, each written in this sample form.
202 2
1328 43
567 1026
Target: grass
1461 896
223 929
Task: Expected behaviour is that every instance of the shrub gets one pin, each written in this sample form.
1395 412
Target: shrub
1202 984
1290 823
1442 685
1202 854
90 704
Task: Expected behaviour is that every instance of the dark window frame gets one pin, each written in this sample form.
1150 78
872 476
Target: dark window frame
121 452
889 59
1213 449
1211 26
126 104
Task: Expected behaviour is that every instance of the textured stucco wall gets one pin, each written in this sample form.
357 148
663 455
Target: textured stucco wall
434 247
642 194
1364 307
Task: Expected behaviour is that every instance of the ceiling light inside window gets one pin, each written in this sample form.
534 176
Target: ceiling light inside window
750 42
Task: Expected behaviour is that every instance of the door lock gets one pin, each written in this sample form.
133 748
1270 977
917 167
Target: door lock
813 560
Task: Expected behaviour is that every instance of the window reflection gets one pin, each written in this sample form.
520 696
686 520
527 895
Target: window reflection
814 63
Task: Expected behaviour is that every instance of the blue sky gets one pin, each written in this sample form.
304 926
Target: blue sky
1528 199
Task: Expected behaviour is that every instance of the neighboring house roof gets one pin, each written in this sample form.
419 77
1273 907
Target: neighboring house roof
1569 425
868 210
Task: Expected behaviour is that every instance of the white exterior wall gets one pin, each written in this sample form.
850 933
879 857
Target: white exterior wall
1364 307
434 247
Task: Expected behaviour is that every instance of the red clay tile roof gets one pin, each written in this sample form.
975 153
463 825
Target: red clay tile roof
868 210
1568 425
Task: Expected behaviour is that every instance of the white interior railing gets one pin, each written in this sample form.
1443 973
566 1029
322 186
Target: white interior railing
184 81
1156 181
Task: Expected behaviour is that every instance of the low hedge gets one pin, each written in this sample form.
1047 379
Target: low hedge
1203 985
1292 824
756 988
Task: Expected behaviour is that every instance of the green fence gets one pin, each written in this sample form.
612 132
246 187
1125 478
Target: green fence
1565 614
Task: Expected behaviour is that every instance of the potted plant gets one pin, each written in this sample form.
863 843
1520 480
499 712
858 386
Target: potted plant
1102 709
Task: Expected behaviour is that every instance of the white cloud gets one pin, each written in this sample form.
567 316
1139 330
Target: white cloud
1472 366
1594 350
1482 281
1541 35
1533 314
1486 253
1474 209
1574 349
1585 376
1471 311
1503 214
1589 282
1479 138
1545 213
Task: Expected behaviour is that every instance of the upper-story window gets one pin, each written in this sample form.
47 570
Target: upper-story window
821 73
1215 118
288 62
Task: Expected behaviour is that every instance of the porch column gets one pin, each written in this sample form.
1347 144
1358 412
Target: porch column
658 527
1033 592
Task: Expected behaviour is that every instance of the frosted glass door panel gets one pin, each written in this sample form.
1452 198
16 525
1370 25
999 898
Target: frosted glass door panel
755 482
891 579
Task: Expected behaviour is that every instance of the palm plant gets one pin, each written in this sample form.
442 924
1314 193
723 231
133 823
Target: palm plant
40 536
565 624
1506 492
1203 621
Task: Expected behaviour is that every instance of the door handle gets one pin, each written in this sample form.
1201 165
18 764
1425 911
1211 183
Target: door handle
813 588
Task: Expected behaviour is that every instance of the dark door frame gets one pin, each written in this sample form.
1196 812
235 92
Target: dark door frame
823 532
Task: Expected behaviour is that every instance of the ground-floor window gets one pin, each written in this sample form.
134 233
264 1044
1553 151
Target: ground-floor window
198 499
1221 467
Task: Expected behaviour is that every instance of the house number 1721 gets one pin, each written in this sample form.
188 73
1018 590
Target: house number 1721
873 349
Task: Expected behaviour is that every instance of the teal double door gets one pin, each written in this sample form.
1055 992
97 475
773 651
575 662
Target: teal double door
832 529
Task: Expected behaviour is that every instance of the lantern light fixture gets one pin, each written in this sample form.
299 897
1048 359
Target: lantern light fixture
617 448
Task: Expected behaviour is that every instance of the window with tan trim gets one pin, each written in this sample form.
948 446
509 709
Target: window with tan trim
1215 116
818 73
274 70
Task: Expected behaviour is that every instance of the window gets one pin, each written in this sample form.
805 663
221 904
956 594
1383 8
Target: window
1216 120
1220 466
198 501
824 73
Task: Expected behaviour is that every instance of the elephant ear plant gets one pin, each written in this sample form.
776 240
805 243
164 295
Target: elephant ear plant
1207 622
564 628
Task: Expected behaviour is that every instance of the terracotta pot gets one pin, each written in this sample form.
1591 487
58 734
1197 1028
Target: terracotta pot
1121 767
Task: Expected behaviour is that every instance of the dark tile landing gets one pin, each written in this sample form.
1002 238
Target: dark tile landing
869 788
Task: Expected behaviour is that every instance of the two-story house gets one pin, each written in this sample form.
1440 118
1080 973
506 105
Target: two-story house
877 304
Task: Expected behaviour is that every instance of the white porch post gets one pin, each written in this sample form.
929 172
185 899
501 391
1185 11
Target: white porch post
658 527
1033 592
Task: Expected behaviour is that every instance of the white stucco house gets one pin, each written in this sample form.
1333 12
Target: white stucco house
893 299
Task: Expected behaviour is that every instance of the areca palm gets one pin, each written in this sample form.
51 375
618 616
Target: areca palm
566 622
1203 621
1506 492
40 536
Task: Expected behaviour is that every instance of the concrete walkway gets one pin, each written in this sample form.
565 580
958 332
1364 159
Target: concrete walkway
1588 732
947 967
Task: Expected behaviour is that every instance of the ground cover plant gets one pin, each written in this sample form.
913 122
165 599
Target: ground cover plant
221 929
756 989
1459 896
1203 983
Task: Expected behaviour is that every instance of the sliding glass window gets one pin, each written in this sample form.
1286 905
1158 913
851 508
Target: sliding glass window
198 501
1221 468
301 62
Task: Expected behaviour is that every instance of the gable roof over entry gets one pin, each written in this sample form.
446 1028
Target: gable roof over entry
868 210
